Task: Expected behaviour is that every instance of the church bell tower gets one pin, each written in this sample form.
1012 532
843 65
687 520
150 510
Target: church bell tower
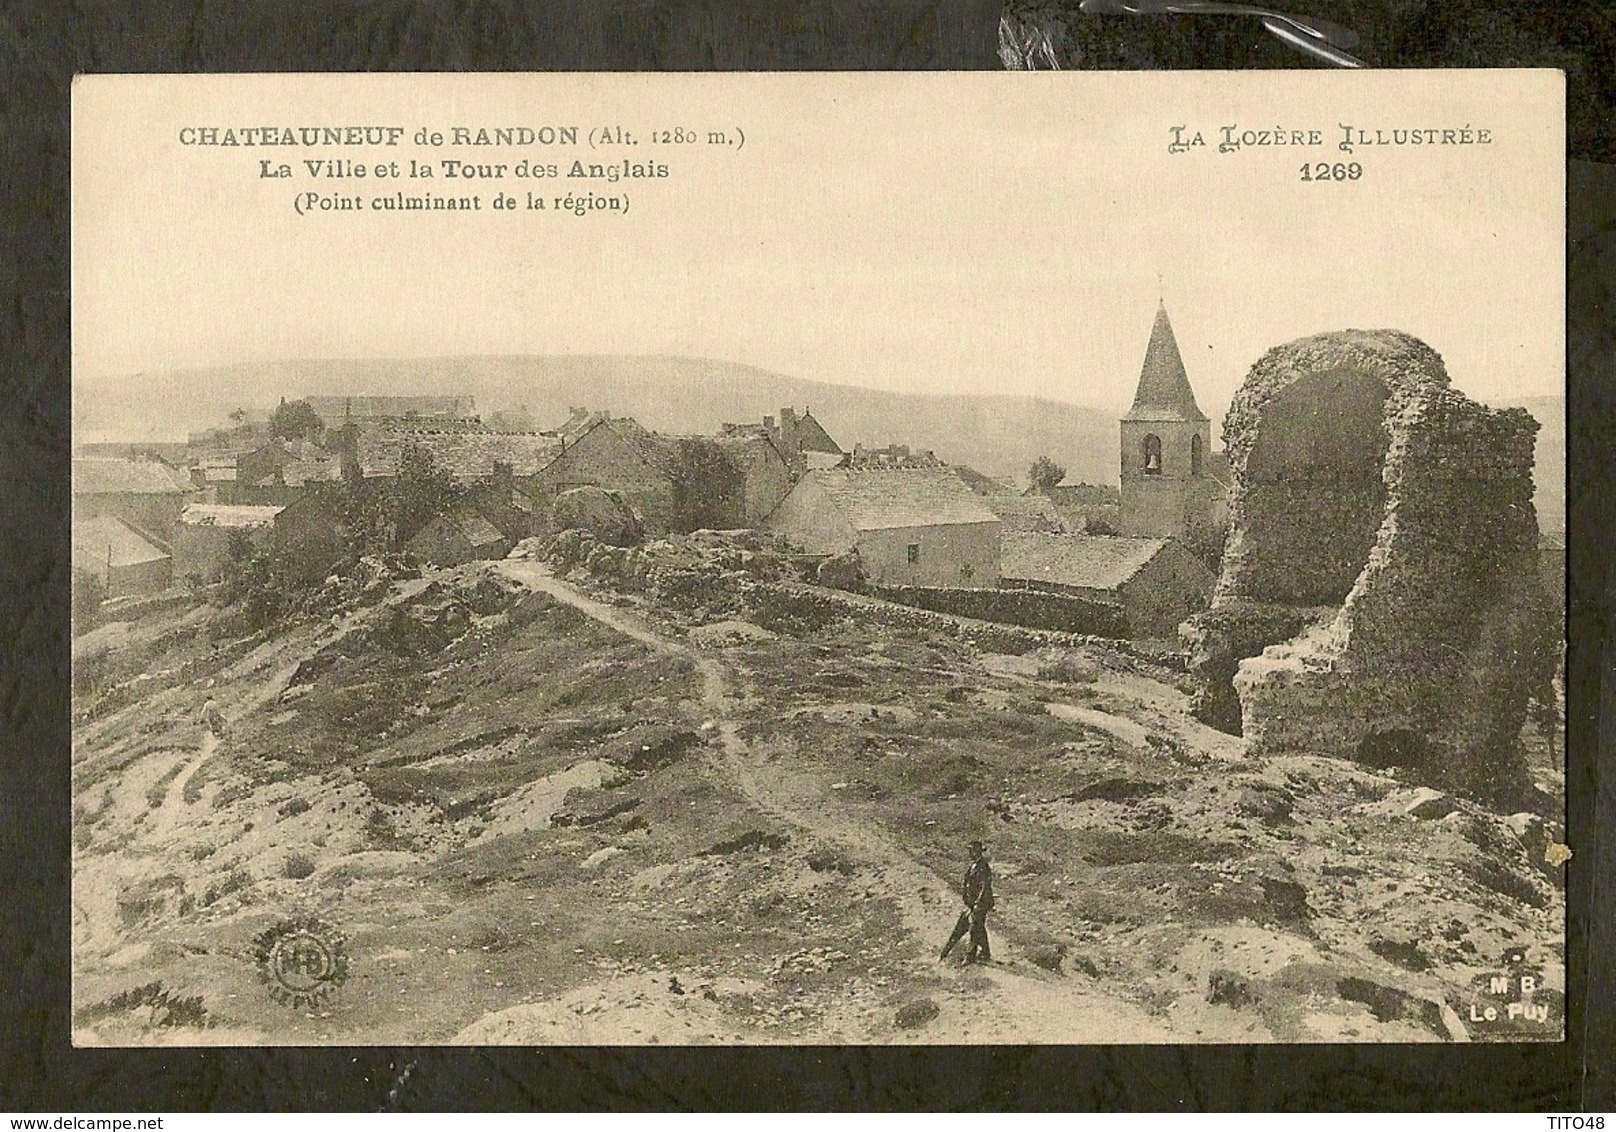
1166 441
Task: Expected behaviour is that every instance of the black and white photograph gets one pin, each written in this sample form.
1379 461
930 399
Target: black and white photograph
818 559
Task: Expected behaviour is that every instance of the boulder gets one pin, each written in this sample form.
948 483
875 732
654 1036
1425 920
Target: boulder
1430 804
1266 803
841 572
1528 829
1285 899
1228 989
916 1013
1535 836
604 514
1049 956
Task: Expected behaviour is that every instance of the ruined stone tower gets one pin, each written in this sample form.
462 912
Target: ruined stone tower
1166 441
1376 600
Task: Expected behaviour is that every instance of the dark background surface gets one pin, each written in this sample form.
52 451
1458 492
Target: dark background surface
43 45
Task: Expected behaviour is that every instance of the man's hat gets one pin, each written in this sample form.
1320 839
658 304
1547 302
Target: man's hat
977 846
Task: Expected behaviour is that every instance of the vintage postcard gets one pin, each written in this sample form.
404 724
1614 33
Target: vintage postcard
837 558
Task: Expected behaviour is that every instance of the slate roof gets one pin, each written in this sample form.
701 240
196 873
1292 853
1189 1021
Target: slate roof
1016 512
660 452
1090 561
884 498
580 422
322 469
97 540
464 455
809 433
812 435
1164 392
240 516
98 476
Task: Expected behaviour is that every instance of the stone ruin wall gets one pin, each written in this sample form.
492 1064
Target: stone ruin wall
1377 598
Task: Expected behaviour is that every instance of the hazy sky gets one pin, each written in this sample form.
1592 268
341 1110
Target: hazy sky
967 232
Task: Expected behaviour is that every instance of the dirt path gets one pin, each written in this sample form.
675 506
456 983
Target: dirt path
168 816
1024 1003
1125 729
535 576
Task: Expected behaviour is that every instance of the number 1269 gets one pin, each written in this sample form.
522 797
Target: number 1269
1325 171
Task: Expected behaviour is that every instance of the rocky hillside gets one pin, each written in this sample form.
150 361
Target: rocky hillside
678 796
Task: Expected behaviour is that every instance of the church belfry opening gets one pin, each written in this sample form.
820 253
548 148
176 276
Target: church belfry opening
1166 492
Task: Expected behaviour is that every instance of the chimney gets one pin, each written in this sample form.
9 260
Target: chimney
790 435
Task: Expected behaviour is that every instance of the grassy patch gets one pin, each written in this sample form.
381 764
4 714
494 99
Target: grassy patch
158 790
163 1007
205 774
236 880
1105 847
148 898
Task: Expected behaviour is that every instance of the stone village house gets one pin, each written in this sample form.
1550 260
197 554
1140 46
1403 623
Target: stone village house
1156 583
910 526
148 495
125 561
619 456
643 469
802 440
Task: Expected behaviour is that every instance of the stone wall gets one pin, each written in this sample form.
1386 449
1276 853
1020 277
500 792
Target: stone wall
1031 609
723 574
1313 497
1387 519
985 635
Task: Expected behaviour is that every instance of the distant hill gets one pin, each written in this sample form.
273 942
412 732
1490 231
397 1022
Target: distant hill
997 435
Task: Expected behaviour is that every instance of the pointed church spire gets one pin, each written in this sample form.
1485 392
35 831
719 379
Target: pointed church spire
1164 392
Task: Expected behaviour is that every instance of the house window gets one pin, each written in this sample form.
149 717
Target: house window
914 553
1195 455
1152 453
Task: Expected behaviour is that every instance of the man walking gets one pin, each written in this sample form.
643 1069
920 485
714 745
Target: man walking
978 895
213 718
